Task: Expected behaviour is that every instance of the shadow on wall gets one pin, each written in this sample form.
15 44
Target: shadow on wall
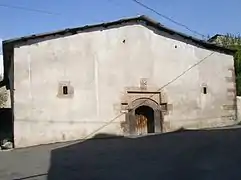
6 124
199 155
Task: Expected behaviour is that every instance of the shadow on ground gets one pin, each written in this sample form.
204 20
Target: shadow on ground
6 124
199 155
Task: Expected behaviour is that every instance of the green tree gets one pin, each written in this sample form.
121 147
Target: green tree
233 42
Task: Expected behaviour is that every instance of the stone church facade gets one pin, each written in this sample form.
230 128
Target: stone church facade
127 77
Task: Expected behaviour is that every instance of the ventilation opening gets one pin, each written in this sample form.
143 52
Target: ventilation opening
65 90
204 90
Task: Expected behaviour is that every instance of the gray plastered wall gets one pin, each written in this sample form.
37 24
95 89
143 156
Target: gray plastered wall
101 65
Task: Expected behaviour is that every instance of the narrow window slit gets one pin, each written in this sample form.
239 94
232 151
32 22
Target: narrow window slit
204 90
65 90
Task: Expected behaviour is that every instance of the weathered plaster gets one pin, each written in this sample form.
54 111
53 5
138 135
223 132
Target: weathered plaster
101 65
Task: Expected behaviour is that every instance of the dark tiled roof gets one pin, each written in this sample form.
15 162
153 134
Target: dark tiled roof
137 19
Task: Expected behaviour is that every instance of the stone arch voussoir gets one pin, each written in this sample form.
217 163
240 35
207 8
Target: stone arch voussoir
144 102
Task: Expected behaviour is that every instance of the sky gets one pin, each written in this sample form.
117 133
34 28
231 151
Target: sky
207 17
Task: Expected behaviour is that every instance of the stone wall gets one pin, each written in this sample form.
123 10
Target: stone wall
101 68
5 98
239 108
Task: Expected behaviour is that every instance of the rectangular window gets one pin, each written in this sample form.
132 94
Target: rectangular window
65 90
204 90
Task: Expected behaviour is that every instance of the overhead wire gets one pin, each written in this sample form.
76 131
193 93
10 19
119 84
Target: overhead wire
168 18
171 81
147 7
135 1
28 9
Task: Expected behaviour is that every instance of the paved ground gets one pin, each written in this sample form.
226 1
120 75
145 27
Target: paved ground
23 163
199 155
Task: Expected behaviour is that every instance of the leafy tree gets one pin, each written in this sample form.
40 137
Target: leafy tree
233 42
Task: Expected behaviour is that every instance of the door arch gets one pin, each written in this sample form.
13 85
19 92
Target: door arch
147 113
144 118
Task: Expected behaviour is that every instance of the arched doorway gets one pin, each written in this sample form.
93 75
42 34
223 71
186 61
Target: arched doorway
144 119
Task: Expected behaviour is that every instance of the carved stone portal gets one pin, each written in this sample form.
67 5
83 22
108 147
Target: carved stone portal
143 116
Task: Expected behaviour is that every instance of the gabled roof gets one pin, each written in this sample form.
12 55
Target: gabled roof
137 20
144 20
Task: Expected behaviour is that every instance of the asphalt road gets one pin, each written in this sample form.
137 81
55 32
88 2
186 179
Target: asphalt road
199 155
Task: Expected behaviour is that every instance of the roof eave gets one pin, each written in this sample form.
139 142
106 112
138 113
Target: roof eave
144 18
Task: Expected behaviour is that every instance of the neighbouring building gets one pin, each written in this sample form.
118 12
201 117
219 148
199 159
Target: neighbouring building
225 40
126 77
217 39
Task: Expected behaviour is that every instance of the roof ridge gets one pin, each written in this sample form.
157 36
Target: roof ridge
148 21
